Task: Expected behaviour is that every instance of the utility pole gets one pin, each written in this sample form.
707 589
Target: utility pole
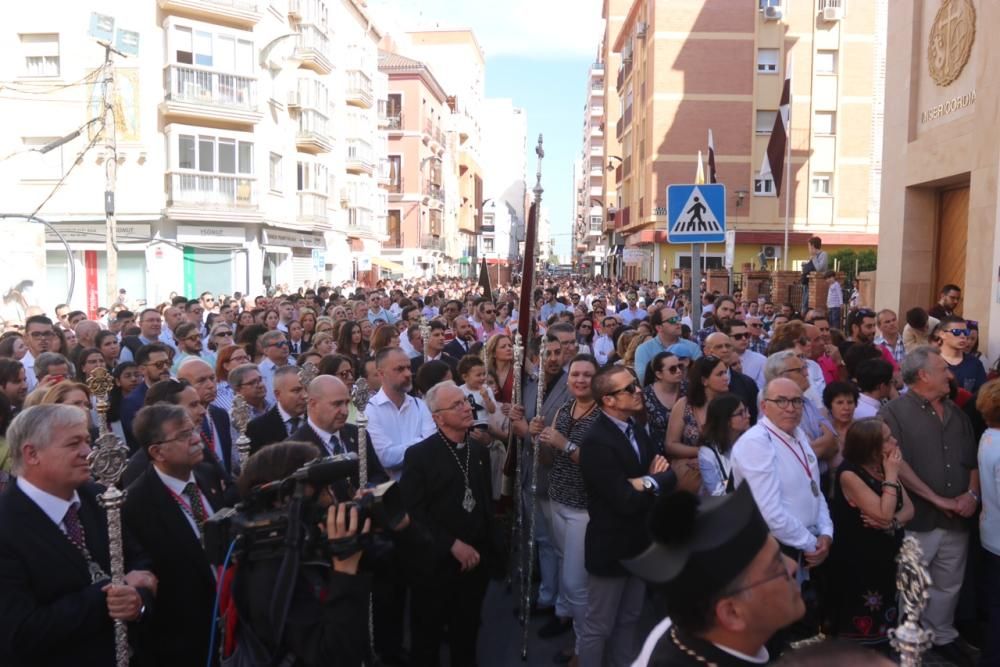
110 177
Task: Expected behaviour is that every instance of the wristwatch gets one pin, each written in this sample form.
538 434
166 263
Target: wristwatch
648 484
570 448
975 495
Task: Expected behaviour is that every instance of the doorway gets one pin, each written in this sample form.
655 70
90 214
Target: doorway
952 239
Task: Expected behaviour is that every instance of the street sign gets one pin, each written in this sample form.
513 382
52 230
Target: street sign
730 248
696 213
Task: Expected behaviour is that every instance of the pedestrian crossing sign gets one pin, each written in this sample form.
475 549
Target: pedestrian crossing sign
696 213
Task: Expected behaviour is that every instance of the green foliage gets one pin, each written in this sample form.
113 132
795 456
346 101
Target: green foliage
846 259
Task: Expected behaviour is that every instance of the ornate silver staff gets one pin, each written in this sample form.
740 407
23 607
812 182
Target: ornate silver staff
308 372
425 333
540 400
515 532
240 416
360 394
107 463
912 581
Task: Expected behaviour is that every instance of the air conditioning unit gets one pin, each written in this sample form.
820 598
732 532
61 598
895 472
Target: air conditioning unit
833 13
640 30
771 251
772 13
293 99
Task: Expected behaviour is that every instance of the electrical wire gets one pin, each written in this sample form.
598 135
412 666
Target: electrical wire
89 78
218 596
79 156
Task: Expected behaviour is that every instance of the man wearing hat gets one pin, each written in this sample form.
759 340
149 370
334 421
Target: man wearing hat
722 578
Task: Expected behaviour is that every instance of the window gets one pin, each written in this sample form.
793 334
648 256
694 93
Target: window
765 120
209 154
821 185
826 62
220 51
42 166
763 186
274 173
487 245
767 61
395 174
825 122
311 176
770 3
394 228
41 54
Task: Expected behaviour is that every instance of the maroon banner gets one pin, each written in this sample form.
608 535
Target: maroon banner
90 266
525 316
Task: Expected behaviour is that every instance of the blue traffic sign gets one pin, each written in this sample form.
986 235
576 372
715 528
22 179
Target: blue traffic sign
696 213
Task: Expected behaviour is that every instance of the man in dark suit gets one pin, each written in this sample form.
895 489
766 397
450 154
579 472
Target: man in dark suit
465 336
623 475
154 361
286 416
57 604
215 427
326 425
447 491
434 350
165 509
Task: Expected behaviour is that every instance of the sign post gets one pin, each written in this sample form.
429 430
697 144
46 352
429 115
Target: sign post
696 214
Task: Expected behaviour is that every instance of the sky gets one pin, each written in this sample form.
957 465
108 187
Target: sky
538 53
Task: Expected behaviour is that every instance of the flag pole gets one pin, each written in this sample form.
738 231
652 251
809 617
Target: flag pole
788 162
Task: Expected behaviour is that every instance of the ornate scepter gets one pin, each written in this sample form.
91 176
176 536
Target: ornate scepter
515 532
912 581
107 463
425 333
308 372
540 399
359 394
240 416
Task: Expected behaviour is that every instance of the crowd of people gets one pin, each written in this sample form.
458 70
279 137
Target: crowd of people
751 474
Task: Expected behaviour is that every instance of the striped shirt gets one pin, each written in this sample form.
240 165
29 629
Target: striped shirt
565 479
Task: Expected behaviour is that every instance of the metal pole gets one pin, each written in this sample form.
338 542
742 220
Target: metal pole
695 286
111 176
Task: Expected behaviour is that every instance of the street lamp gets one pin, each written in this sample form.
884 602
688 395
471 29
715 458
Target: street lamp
610 166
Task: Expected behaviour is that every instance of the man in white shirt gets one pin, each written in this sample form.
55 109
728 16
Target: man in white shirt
286 314
775 459
633 313
38 336
604 344
874 378
396 420
751 362
276 353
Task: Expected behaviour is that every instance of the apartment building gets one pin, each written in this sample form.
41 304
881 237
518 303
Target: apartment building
693 67
588 229
245 143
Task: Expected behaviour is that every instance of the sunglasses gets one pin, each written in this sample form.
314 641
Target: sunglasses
740 336
958 332
672 369
672 320
631 388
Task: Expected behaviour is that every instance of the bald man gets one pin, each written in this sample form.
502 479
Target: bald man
285 416
215 427
326 424
720 345
86 333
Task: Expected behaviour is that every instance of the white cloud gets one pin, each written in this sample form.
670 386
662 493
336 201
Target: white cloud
539 28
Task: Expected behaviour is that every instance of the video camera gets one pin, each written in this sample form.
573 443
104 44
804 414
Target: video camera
285 515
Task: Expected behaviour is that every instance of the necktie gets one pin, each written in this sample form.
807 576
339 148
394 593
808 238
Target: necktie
74 529
336 445
630 434
293 425
194 498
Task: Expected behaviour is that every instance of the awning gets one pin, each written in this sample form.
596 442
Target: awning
388 266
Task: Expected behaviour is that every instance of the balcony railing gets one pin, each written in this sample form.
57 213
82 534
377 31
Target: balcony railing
360 218
313 131
599 66
212 190
313 48
312 206
360 155
396 187
431 242
434 191
203 86
359 89
394 122
242 12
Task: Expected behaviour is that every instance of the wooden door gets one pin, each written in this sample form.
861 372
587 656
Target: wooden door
952 238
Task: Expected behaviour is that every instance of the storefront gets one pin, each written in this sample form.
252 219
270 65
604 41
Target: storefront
293 259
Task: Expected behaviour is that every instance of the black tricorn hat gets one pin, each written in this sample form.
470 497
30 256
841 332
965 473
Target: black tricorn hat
705 540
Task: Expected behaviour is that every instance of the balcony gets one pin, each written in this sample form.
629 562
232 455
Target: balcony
428 130
313 48
212 197
360 158
312 208
434 191
199 94
312 136
244 13
396 187
360 221
596 228
596 110
359 89
394 122
432 242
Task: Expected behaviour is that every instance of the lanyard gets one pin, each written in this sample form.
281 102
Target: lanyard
804 462
186 506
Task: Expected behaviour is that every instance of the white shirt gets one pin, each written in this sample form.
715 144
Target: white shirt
629 315
867 407
392 431
817 383
177 487
267 368
28 361
753 366
646 654
167 337
603 347
52 506
780 485
325 436
285 417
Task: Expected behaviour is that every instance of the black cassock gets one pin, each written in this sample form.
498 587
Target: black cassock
677 648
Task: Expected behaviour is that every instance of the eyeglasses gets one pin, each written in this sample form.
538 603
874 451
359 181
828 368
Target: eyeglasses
742 412
800 369
223 334
958 332
192 337
280 343
783 402
672 369
454 406
777 563
672 320
165 363
630 388
42 334
256 382
755 325
183 436
739 336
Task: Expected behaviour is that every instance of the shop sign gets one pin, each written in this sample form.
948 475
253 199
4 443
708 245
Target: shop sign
126 232
205 234
292 239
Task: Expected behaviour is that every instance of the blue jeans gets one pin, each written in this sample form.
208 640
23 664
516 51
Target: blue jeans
549 562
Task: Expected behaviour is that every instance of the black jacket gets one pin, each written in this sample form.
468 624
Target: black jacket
417 362
224 428
179 632
268 429
349 435
744 387
617 527
456 349
50 613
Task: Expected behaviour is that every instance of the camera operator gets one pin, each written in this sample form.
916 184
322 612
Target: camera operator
327 619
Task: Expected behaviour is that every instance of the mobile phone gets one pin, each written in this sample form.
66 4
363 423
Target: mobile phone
56 379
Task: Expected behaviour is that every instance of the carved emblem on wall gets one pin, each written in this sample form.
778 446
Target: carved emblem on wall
951 38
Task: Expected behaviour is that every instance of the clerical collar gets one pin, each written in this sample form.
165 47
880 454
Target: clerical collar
452 443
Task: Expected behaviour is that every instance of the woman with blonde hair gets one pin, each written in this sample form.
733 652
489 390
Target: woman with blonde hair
385 336
500 359
322 344
628 358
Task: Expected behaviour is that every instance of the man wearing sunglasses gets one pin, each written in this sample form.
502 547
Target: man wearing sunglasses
277 354
667 324
154 362
751 362
968 371
190 344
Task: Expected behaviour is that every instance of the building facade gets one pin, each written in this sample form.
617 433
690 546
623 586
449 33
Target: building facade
941 162
252 167
589 174
699 66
